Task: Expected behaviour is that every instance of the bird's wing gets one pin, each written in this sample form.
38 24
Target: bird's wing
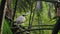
20 19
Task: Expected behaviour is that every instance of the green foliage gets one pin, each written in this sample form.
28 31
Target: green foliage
38 17
6 28
0 1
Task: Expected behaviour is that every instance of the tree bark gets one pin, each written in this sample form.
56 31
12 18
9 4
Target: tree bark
2 10
58 11
8 9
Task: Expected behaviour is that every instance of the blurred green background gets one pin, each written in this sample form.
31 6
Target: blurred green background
37 15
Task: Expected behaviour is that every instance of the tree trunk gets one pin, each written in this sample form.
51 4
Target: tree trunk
58 11
2 12
8 9
57 25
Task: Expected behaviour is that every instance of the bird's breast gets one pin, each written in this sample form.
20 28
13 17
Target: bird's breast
21 19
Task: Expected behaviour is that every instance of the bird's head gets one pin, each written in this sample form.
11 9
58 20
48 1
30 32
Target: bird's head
24 15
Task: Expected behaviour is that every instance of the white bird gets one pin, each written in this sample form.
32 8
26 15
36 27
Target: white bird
20 20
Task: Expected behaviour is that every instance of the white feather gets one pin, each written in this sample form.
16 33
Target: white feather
20 19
